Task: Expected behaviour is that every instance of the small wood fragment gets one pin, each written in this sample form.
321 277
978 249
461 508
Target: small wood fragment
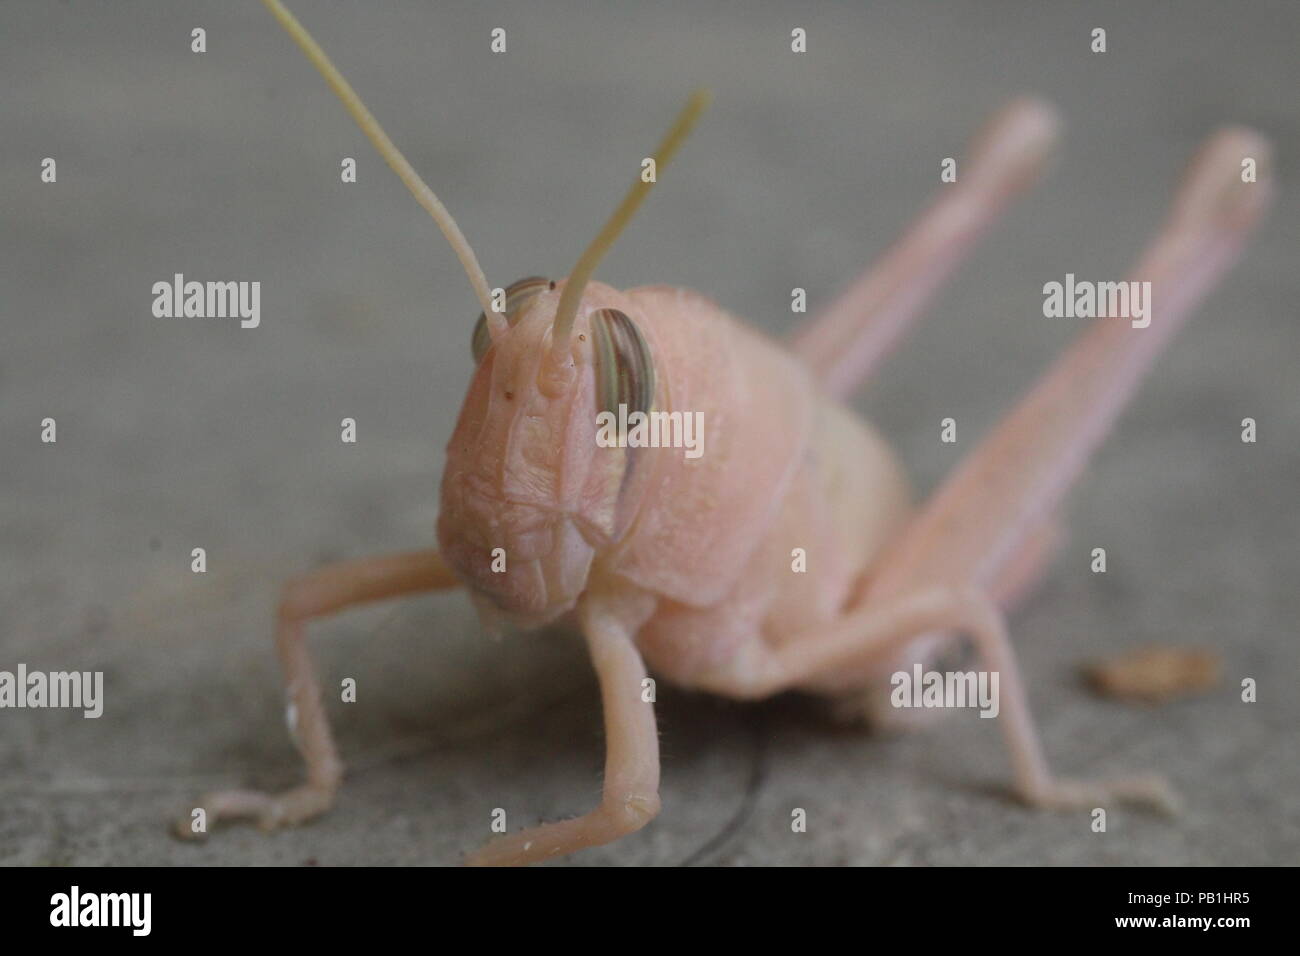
1155 673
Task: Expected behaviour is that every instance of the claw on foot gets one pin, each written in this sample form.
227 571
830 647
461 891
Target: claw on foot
603 825
1147 790
268 811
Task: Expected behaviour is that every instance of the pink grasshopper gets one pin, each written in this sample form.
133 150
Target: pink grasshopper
683 567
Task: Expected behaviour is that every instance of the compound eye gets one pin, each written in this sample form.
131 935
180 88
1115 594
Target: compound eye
625 371
518 295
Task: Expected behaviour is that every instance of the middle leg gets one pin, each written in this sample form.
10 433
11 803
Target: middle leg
876 633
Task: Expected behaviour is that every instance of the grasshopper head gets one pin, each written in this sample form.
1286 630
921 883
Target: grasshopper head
528 496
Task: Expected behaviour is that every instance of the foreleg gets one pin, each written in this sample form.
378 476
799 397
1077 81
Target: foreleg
630 797
320 593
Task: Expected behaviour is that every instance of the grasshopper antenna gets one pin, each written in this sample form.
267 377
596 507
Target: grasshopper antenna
425 196
567 310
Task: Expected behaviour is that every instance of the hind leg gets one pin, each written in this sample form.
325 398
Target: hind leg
844 344
1023 572
971 537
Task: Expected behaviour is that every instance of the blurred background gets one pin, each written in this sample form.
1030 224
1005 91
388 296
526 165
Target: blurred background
183 433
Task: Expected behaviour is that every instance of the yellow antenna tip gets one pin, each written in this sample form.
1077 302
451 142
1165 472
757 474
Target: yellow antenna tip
567 310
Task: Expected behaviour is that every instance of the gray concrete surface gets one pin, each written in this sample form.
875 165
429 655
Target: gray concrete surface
174 434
